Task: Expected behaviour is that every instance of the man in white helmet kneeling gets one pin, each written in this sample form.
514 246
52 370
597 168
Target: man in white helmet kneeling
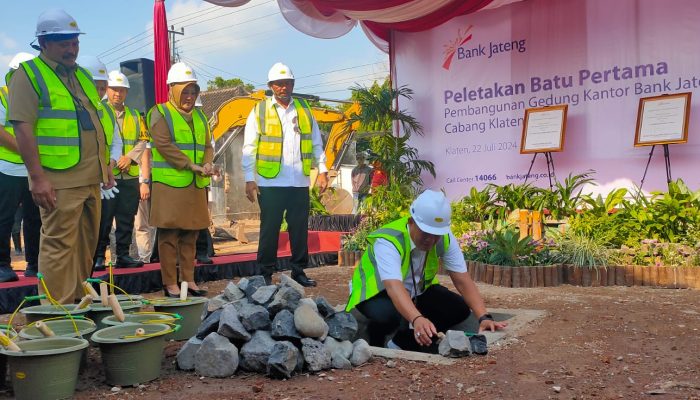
395 284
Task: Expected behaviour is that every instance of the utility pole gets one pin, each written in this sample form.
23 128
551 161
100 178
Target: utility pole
174 57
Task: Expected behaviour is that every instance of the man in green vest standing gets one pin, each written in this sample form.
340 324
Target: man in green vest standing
15 191
59 122
281 141
395 284
123 207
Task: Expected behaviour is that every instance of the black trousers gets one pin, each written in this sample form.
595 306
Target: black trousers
205 244
274 201
123 208
441 306
14 190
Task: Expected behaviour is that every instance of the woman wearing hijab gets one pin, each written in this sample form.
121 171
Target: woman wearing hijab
182 156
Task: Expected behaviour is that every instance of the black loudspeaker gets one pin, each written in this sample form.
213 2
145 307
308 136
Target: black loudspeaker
140 72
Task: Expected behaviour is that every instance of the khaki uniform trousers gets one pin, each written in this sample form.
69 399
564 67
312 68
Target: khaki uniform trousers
174 245
69 237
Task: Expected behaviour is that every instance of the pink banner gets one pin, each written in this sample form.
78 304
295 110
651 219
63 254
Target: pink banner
475 75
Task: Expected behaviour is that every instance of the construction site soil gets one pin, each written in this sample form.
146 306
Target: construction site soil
594 343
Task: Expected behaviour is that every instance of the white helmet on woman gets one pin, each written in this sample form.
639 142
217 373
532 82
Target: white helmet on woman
181 73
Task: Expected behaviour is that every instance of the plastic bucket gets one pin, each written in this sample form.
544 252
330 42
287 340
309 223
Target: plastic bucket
98 312
44 311
3 360
190 310
45 368
144 318
131 297
61 327
129 359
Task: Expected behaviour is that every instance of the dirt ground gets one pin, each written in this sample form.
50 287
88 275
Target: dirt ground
596 343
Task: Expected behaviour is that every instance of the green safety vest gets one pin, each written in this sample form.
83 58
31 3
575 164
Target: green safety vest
5 153
270 138
57 129
130 132
192 144
366 282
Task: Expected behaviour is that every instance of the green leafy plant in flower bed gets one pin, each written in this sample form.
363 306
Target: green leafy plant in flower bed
651 252
504 247
579 250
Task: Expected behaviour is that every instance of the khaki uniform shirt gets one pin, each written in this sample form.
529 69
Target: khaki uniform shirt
92 167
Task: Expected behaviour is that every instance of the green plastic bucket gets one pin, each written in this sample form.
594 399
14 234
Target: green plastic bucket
98 312
45 368
61 327
131 297
44 311
190 310
144 318
3 360
130 359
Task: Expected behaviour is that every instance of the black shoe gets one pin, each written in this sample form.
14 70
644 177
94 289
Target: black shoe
128 262
204 259
100 264
197 292
31 271
268 279
7 274
171 295
304 280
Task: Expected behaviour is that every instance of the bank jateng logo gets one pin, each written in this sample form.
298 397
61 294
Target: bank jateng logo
459 48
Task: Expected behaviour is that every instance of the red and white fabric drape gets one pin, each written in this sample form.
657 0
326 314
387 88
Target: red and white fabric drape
333 18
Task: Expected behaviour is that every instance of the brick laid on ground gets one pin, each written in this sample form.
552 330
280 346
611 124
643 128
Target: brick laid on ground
454 344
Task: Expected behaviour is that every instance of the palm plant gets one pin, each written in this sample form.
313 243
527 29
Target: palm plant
506 248
377 113
568 194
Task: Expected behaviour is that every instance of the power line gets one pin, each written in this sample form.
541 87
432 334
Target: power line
344 80
222 15
341 69
131 52
196 53
226 72
228 26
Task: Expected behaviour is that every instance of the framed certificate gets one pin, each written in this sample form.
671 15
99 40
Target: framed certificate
544 129
663 119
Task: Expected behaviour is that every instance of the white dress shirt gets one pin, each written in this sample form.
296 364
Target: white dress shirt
6 167
389 263
291 172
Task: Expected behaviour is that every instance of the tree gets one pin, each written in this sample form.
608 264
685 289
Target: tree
378 114
221 83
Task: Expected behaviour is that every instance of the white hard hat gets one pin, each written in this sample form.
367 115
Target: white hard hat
96 67
432 212
117 79
56 22
19 58
278 72
181 73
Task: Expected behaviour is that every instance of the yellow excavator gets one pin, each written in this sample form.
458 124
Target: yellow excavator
231 117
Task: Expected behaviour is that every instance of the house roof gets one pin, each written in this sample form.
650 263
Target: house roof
213 99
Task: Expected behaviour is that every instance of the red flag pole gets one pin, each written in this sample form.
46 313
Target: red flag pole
161 51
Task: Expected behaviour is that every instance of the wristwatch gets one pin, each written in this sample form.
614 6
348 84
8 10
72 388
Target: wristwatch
486 317
144 180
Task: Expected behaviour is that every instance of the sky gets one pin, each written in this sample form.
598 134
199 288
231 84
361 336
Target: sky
240 42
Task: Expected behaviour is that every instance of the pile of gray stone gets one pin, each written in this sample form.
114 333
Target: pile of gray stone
271 329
